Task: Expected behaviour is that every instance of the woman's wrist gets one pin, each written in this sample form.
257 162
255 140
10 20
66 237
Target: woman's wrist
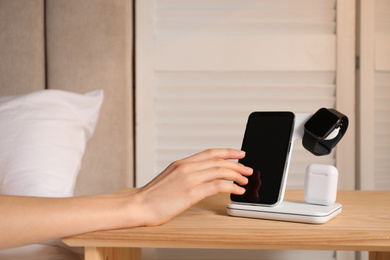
127 210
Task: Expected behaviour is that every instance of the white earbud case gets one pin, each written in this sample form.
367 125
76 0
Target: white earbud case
321 184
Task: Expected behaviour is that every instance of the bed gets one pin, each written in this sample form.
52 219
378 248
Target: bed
74 59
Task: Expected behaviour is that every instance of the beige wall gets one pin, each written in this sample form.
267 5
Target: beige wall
22 59
77 46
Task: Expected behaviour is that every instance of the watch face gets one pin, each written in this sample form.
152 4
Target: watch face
322 123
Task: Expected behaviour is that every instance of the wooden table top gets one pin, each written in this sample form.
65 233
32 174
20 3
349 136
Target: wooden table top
363 225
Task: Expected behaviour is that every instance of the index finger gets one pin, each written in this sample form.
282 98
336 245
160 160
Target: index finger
219 153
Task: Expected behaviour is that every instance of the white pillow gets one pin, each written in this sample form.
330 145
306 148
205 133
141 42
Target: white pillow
43 136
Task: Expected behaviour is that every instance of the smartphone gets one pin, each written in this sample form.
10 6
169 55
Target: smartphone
267 143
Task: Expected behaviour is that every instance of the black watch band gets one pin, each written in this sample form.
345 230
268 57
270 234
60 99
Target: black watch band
314 138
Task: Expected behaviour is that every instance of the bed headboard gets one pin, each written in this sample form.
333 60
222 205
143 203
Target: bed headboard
77 46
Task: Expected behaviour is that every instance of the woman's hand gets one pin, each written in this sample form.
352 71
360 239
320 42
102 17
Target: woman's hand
187 181
28 220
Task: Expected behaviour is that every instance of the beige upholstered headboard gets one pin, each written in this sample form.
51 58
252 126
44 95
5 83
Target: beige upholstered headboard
77 46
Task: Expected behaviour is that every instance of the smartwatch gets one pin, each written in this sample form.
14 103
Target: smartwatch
319 127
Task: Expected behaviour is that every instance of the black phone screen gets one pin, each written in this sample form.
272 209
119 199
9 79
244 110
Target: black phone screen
267 143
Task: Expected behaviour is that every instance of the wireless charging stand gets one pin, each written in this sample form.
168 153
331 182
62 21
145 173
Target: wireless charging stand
295 211
288 210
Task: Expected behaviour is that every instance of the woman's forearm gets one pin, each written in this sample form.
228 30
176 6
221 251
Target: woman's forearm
26 220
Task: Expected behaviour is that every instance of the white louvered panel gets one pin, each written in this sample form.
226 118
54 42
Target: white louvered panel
382 130
211 111
217 61
382 51
236 103
252 21
382 20
250 78
213 62
249 4
245 52
382 95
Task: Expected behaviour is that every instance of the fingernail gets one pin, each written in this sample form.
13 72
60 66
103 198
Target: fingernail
242 152
249 169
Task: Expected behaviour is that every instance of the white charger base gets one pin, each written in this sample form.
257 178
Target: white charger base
287 210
